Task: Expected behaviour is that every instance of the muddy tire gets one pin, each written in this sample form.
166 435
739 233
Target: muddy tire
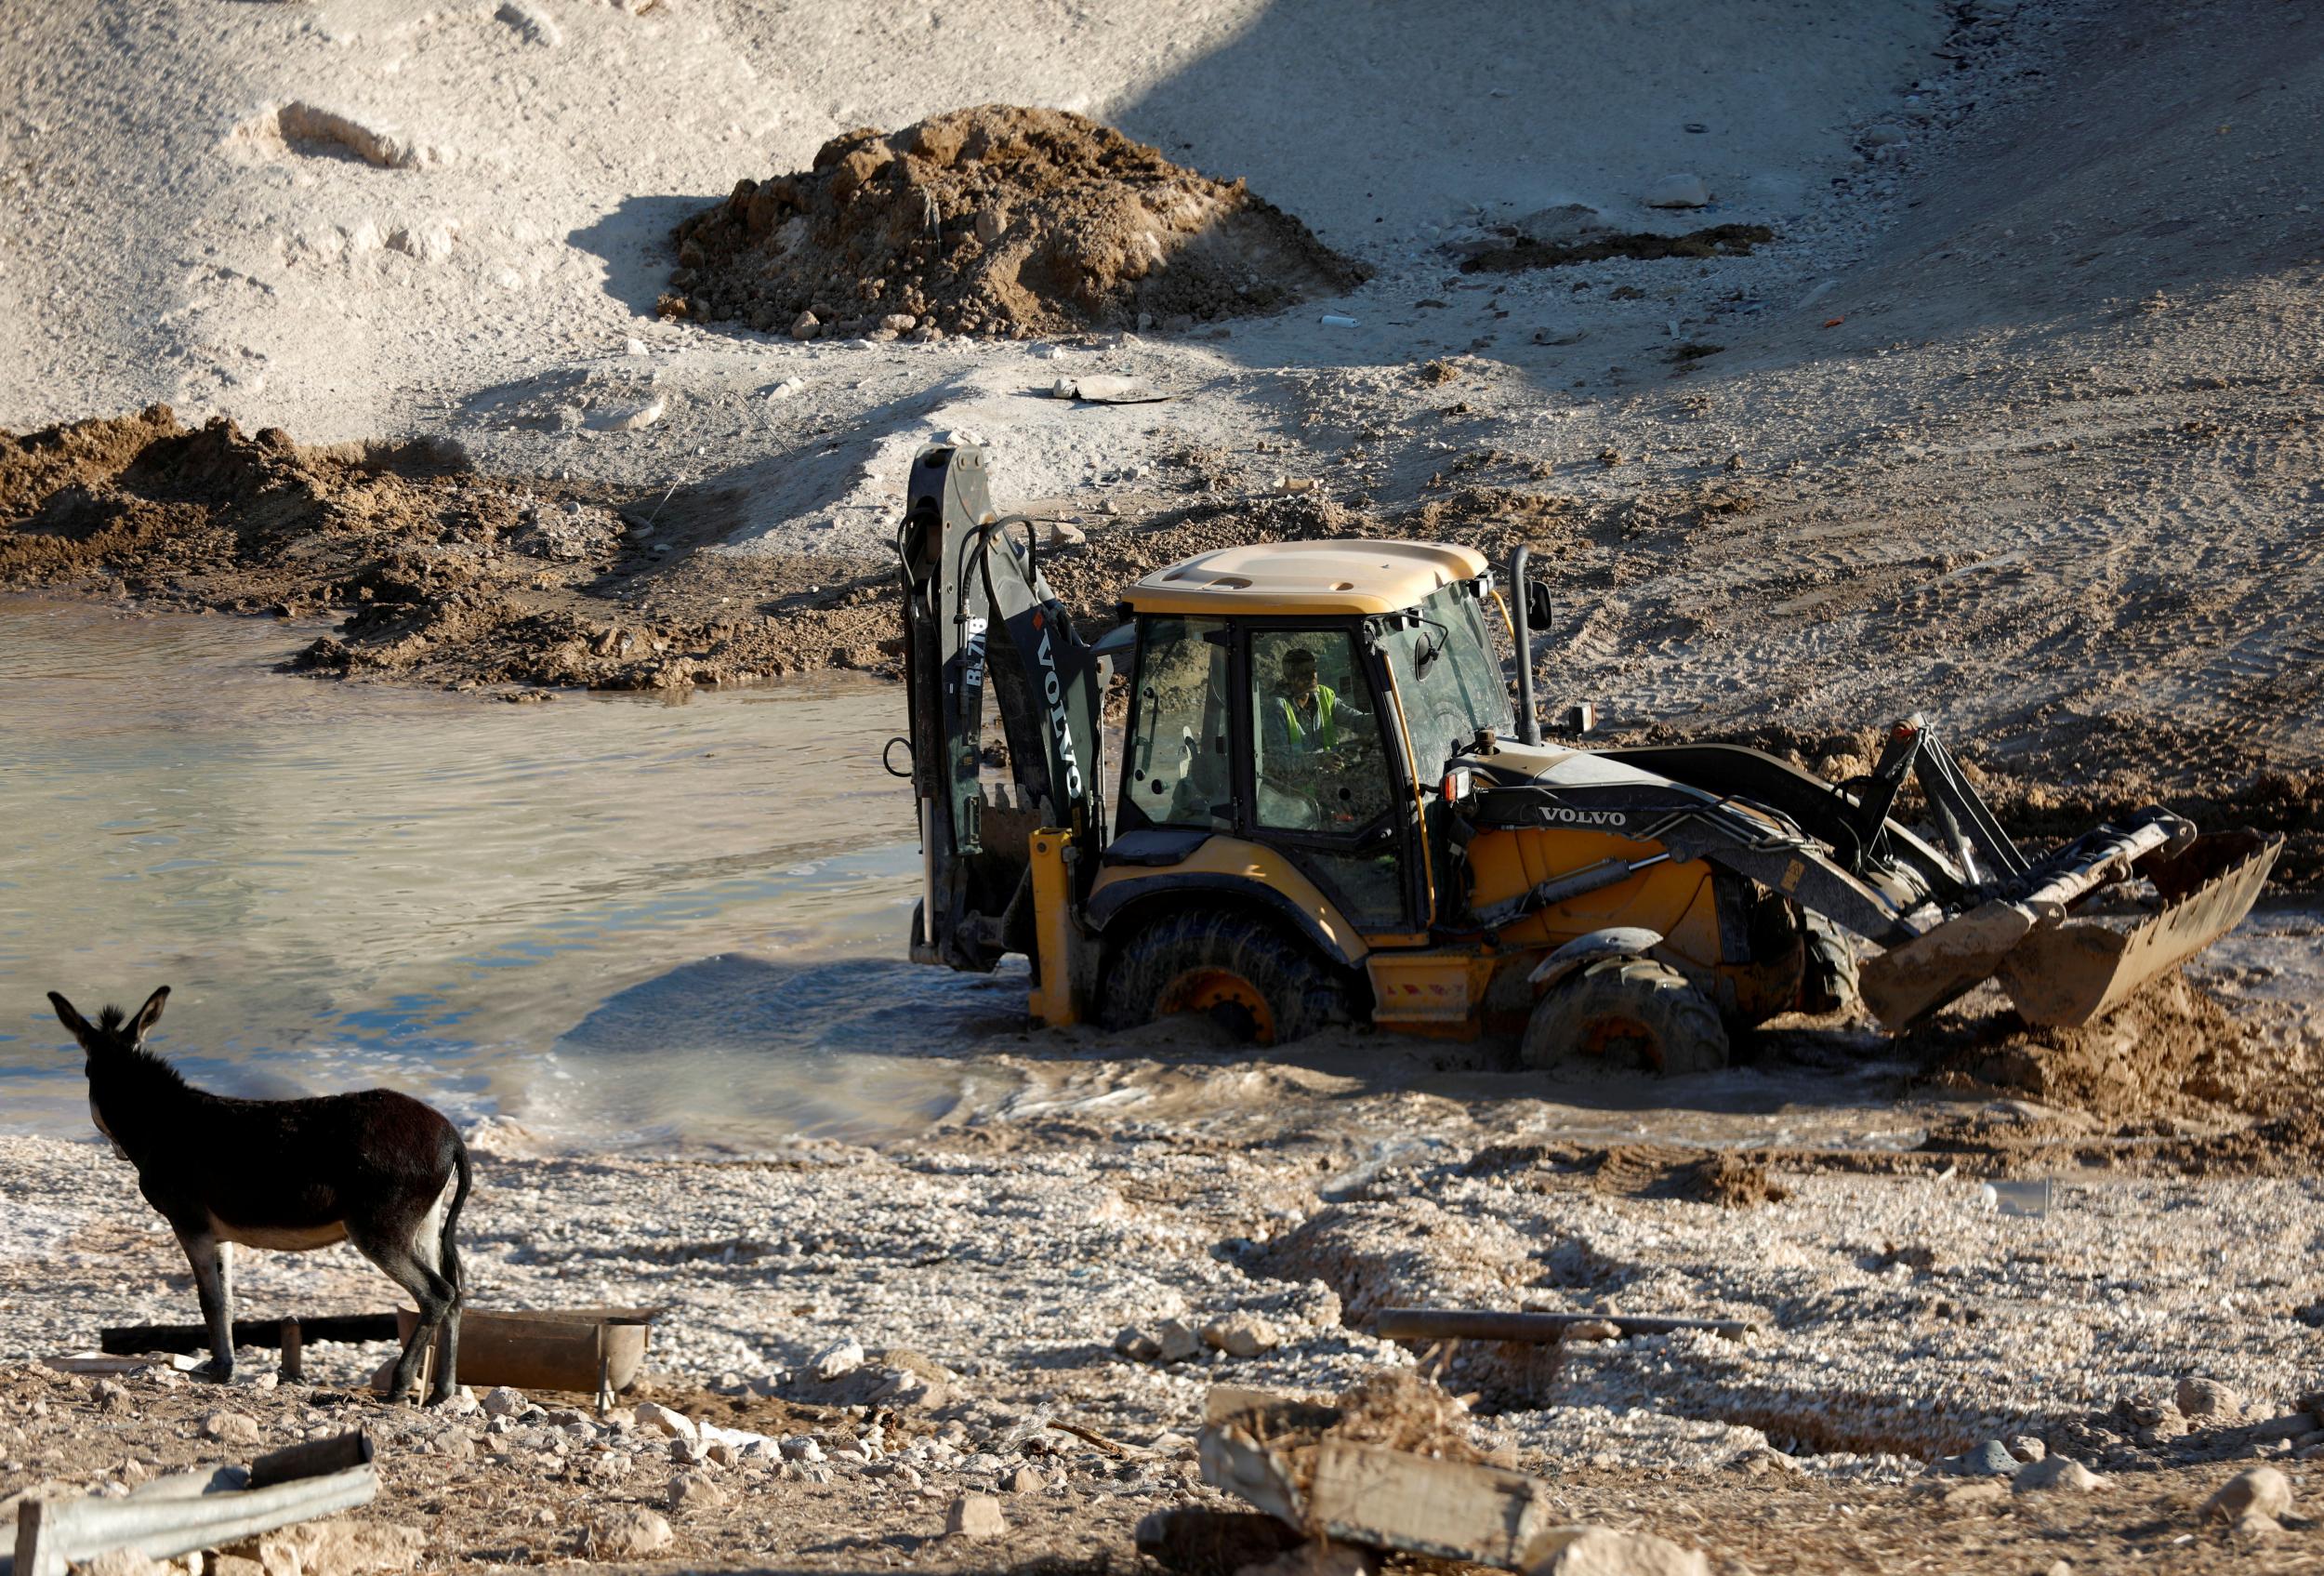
1626 1015
1828 981
1241 973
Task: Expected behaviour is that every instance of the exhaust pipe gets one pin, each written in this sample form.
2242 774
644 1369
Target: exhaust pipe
1528 720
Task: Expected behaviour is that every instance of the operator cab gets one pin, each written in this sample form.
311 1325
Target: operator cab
1309 696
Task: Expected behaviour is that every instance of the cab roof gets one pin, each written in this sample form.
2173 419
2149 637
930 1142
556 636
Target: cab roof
1302 577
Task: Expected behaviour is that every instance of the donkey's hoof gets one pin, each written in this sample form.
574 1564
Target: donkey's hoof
215 1371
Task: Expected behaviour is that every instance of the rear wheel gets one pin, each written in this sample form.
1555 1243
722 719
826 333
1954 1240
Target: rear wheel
1827 981
1626 1015
1242 974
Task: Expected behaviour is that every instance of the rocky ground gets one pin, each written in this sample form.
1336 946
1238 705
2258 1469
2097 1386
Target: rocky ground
1836 363
1033 1302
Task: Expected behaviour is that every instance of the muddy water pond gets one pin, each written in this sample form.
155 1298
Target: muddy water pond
593 915
620 922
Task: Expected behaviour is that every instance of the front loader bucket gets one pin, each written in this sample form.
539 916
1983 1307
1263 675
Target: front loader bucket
2069 972
2062 967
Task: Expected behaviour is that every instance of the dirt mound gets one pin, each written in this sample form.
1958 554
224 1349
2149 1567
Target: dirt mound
437 575
995 221
1404 1409
2168 1048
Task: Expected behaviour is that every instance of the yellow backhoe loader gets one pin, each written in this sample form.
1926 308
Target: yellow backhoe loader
1328 810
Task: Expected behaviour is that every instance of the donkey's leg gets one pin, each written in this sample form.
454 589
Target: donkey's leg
448 1349
390 1247
213 1284
436 1232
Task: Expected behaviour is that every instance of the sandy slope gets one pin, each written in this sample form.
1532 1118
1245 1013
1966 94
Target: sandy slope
2051 474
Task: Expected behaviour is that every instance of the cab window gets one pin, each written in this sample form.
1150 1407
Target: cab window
1316 740
1448 679
1179 772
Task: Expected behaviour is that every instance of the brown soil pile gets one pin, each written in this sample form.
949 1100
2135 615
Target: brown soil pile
2171 1044
995 221
1404 1409
438 575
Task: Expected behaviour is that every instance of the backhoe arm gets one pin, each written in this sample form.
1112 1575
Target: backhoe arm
965 570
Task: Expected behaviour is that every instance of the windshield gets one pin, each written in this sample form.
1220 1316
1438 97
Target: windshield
1447 678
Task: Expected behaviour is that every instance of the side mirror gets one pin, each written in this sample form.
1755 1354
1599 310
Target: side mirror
1538 608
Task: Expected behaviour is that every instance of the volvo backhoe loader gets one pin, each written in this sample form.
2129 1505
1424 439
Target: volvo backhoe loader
1330 811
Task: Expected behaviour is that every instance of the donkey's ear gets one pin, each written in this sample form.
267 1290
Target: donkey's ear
148 1014
71 1019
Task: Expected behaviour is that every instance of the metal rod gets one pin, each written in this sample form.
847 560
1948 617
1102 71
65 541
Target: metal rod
134 1339
1457 1324
1528 720
294 1349
317 1458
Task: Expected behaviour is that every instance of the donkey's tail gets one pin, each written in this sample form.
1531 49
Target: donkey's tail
447 1253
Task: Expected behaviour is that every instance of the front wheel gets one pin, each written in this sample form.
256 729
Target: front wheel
1626 1014
1242 974
1827 981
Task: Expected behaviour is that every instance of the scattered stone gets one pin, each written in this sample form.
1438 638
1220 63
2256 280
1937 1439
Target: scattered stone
1678 191
2025 1447
504 1402
806 325
1026 1480
1599 1551
230 1428
1241 1335
1064 533
2261 1491
2208 1398
800 1448
1989 1460
692 1490
2058 1474
839 1360
662 1420
976 1515
1886 134
628 1532
339 1548
129 1562
1174 1340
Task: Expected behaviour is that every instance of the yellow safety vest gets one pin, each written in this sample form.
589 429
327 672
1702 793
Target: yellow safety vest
1327 731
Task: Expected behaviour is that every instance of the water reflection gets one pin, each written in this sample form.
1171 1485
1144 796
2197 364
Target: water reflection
349 885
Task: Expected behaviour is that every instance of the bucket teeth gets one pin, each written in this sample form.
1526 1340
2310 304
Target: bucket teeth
2064 969
2070 972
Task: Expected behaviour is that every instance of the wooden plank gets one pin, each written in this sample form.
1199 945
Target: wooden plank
53 1536
1460 1324
1451 1510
